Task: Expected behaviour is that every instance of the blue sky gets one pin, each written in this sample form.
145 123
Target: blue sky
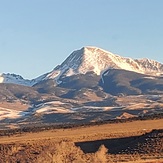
37 35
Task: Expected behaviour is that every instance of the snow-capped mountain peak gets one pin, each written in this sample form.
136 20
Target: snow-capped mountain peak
15 79
98 60
90 59
150 66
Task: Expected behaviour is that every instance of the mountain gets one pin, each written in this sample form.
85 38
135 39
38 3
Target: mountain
94 68
90 85
90 59
93 59
14 92
15 79
118 81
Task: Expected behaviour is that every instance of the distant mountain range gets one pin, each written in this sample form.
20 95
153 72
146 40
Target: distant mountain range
90 80
90 59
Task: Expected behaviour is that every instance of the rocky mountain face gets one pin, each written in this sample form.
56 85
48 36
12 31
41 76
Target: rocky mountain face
90 80
93 59
92 67
15 79
118 81
90 59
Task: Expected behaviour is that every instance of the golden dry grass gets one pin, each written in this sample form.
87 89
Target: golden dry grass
58 145
96 132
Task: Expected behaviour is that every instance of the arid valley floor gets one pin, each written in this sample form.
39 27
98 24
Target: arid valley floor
133 141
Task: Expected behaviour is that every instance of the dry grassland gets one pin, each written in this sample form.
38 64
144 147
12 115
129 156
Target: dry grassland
122 142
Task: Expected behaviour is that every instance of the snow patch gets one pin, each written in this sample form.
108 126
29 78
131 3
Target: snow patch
8 113
98 61
92 59
51 107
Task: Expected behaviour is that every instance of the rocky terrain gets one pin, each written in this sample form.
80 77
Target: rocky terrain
90 85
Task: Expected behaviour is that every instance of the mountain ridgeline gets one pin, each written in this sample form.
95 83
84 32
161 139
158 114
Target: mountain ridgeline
96 69
90 85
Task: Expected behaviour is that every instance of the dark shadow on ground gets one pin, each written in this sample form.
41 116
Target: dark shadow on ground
127 145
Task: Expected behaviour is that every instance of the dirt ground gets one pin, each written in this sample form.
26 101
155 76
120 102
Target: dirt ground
137 141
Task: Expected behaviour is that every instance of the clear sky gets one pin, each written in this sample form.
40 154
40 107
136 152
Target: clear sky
37 35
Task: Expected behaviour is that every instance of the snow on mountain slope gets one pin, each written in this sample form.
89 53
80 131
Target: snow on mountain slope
15 79
51 107
9 113
90 59
150 66
98 60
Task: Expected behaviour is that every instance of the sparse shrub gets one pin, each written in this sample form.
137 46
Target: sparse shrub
63 152
101 155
